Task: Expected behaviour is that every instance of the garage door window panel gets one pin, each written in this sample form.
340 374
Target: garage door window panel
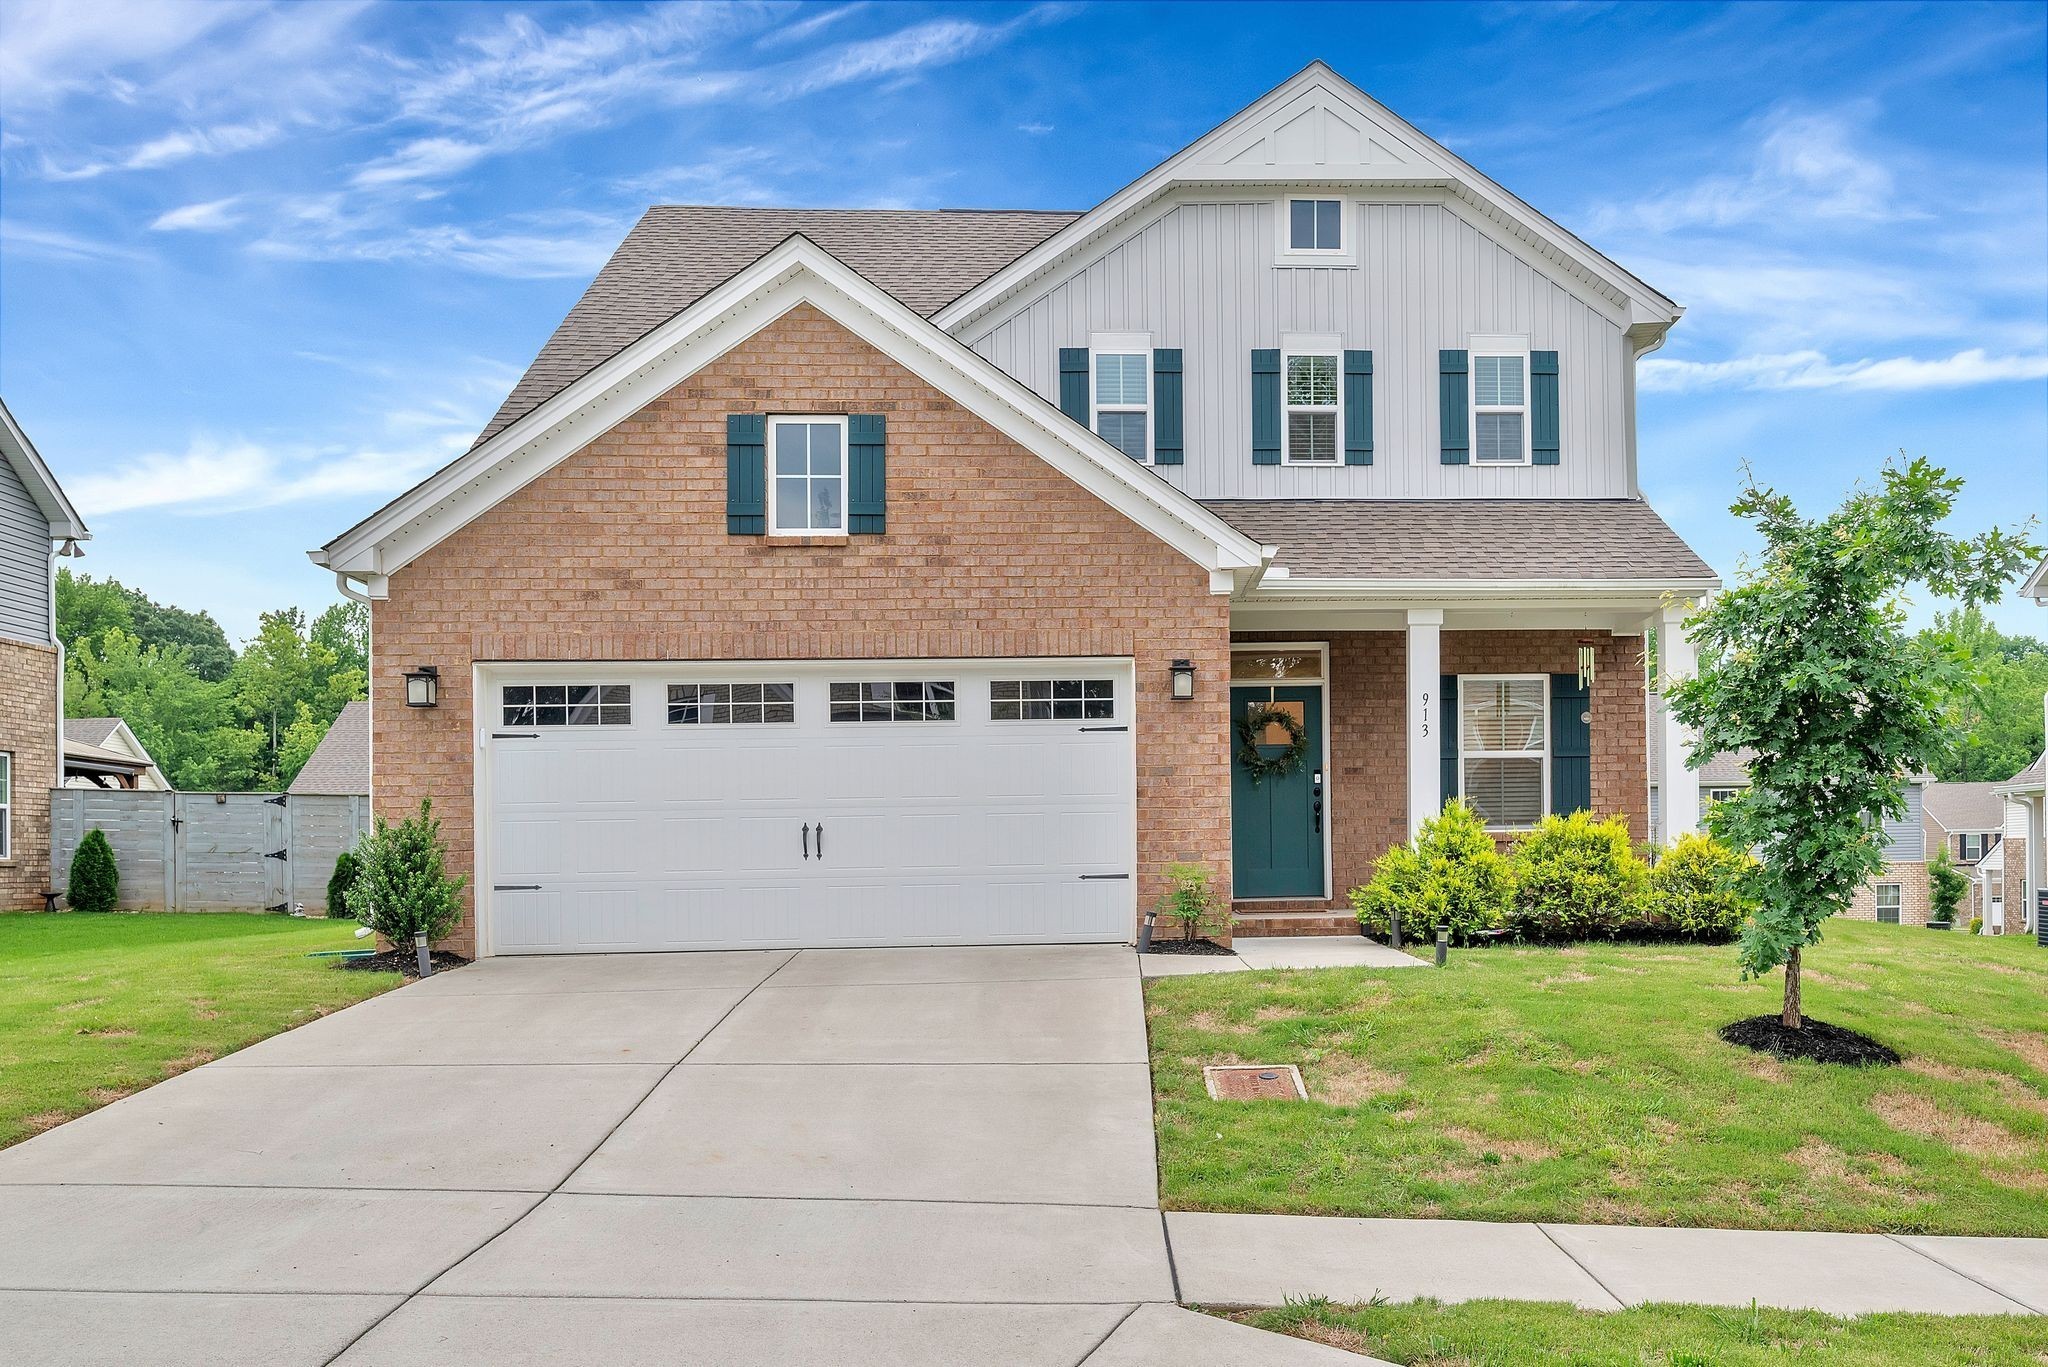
807 495
1052 700
731 704
892 700
568 704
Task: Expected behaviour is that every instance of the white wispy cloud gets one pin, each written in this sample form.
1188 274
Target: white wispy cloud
421 159
1036 130
1813 370
170 148
212 216
535 248
56 244
54 48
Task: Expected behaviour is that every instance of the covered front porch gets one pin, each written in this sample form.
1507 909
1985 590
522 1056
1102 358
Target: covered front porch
1521 709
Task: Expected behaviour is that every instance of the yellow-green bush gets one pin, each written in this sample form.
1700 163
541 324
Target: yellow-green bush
1450 876
1579 878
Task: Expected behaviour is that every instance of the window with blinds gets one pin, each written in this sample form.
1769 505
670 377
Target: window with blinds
1312 416
1122 408
1500 410
1503 747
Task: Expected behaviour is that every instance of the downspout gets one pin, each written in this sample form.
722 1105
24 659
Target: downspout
1635 484
341 578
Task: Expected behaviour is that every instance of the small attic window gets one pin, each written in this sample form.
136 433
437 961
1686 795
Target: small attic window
1315 225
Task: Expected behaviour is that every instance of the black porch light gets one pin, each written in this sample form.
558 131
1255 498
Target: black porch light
1183 680
423 686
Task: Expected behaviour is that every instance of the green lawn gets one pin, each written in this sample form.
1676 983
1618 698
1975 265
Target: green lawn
1486 1333
95 1007
1587 1084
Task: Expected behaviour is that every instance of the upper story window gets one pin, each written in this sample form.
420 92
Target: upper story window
1500 401
1315 225
1973 847
1309 379
807 484
1120 391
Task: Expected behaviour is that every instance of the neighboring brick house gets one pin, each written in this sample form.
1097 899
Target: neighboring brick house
2017 862
841 577
36 523
1969 820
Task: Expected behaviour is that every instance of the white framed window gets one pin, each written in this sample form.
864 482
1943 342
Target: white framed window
1973 847
568 704
1500 401
1316 230
1888 903
1312 396
1714 795
1052 700
1120 391
806 476
6 805
724 704
892 700
1504 747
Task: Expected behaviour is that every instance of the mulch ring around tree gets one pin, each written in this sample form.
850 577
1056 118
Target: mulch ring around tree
1816 1040
1188 947
406 961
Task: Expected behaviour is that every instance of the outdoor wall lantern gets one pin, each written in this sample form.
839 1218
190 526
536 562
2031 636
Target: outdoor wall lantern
422 686
1183 680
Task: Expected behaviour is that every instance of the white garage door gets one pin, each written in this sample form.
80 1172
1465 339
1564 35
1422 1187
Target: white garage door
694 806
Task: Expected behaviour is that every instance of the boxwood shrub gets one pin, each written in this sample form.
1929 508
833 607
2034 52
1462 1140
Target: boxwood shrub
1451 875
1699 890
1579 878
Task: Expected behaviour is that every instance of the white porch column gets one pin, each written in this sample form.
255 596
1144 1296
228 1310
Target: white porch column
2037 866
1678 786
1425 716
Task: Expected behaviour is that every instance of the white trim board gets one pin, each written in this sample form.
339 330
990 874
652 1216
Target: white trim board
42 486
794 273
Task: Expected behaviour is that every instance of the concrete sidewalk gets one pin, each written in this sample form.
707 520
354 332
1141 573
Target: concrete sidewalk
1281 951
1265 1259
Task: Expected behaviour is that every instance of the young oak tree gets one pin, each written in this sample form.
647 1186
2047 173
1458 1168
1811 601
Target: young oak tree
1807 663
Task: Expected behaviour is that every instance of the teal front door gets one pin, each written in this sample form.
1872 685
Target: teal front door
1276 825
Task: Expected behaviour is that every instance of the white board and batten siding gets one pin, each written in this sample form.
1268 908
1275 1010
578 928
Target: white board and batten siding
24 562
649 835
1202 276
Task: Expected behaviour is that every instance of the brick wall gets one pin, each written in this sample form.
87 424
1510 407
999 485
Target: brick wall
621 553
2015 876
28 732
1367 764
1913 898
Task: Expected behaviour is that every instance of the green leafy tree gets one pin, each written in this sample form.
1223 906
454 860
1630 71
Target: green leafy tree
1998 711
297 744
1808 663
1450 875
344 630
404 887
95 883
185 722
87 608
1946 886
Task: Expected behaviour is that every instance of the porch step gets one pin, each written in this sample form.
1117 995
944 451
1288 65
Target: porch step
1262 923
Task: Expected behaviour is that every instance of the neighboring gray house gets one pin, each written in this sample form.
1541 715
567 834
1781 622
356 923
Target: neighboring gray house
340 763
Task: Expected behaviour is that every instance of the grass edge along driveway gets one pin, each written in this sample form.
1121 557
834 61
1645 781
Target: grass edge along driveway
1586 1084
93 1008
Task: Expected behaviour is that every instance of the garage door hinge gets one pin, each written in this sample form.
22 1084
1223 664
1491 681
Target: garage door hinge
1097 877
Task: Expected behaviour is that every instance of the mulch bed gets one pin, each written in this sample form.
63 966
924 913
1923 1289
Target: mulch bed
403 961
1188 947
1816 1040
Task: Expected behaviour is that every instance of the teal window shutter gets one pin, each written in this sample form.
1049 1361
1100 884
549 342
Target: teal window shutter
746 474
867 482
1358 408
1454 402
1571 746
1266 407
1166 406
1543 444
1447 737
1074 383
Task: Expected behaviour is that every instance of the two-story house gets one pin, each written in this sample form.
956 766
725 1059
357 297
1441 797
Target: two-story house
844 577
37 523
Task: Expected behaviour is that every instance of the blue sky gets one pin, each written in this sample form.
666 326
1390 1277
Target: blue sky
262 266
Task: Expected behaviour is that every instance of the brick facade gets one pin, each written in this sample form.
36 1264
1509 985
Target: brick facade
1913 898
2014 875
621 553
28 732
1367 763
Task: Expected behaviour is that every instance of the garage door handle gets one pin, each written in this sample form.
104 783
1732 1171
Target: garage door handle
807 840
1105 728
515 887
515 735
1102 877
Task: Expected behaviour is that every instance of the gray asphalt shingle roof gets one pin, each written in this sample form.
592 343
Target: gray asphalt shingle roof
677 253
1467 538
1965 807
90 730
340 763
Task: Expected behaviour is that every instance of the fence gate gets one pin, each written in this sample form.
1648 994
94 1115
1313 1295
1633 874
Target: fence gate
211 851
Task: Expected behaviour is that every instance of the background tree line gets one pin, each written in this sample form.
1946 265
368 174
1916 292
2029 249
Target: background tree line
213 718
2000 723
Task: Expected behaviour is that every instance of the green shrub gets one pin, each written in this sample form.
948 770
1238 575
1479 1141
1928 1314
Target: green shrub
1189 898
1450 875
1976 925
404 887
347 868
1578 878
1698 890
1946 886
95 881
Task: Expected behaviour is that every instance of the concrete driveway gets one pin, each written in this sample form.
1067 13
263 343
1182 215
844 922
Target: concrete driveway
834 1157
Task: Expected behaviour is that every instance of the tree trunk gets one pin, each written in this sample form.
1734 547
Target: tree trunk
1790 1016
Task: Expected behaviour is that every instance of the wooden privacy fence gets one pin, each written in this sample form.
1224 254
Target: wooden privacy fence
211 851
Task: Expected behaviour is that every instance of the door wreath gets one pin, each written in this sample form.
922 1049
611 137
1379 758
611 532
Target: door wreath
1252 725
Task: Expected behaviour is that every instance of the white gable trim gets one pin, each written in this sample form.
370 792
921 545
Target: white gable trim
796 272
1397 154
2036 586
21 454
